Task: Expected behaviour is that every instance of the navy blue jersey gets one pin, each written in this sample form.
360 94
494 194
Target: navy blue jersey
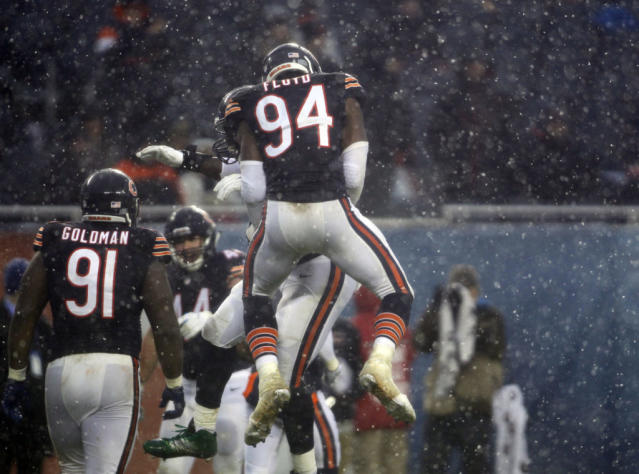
203 290
95 276
298 125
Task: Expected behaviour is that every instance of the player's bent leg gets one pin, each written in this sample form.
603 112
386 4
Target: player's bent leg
298 425
362 251
226 327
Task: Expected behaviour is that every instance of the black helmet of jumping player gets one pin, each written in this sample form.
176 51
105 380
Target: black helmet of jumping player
289 59
224 147
109 195
190 232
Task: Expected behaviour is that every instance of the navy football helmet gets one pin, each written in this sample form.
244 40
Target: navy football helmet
109 195
224 147
289 59
185 224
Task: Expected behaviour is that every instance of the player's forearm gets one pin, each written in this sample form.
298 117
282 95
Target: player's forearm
203 163
168 343
19 341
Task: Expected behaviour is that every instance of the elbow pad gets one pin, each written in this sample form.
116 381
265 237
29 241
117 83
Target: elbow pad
354 157
253 181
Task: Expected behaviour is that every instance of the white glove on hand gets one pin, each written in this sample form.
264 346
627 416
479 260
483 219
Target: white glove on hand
228 185
192 323
162 154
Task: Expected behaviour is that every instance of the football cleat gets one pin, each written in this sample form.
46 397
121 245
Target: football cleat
274 395
377 379
188 442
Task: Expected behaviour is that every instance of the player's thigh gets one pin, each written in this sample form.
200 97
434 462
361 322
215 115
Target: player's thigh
109 433
66 435
269 258
359 248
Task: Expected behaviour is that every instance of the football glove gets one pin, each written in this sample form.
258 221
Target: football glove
331 375
192 323
15 400
175 395
162 154
228 185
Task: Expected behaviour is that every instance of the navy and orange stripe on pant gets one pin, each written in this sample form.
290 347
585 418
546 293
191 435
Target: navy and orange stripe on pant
329 444
386 258
322 311
128 445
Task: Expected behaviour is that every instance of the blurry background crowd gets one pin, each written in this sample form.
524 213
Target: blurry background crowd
480 101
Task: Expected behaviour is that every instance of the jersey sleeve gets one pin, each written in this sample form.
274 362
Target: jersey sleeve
353 88
161 250
235 260
45 235
38 240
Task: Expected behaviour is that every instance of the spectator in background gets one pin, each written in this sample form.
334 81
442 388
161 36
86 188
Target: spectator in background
468 340
133 77
26 443
469 139
380 444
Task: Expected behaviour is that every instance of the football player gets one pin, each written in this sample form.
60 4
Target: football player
98 275
302 146
200 276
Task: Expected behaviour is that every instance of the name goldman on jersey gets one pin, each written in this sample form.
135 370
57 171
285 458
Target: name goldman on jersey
98 237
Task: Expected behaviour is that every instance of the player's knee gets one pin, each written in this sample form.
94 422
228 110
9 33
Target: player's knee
298 421
258 312
397 303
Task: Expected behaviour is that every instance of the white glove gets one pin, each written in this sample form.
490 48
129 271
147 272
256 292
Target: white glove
228 185
163 154
331 376
192 323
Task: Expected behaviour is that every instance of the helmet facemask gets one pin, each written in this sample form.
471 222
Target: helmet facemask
188 253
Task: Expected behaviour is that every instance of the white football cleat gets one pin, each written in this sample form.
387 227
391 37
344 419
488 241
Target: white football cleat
274 395
376 378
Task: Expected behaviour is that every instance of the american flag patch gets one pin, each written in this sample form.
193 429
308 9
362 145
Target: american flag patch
293 54
116 204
